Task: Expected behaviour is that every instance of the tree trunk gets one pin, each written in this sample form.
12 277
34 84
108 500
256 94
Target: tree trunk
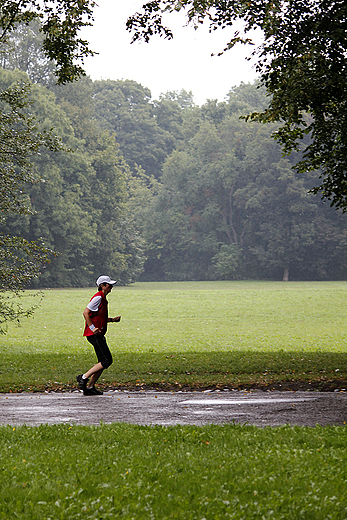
286 274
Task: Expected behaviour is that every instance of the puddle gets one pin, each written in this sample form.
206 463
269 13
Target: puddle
211 412
230 402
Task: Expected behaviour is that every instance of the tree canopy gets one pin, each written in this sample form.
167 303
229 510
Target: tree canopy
154 189
221 202
77 204
229 206
61 21
302 62
20 139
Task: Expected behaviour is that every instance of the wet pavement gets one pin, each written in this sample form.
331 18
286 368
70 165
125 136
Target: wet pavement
170 408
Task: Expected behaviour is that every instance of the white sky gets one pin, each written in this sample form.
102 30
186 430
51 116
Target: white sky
182 63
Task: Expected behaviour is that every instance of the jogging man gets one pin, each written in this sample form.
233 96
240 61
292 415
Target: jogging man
96 316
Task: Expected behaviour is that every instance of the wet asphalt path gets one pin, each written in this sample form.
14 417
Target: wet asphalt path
170 408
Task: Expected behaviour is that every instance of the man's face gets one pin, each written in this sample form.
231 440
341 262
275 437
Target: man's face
107 288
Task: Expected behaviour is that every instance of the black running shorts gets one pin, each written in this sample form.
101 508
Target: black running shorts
101 349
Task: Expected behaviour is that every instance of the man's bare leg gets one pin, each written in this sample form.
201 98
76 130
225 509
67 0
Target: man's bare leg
94 373
95 377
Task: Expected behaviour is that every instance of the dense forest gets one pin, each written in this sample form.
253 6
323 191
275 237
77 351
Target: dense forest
147 189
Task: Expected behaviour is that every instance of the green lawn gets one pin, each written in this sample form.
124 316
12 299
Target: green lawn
194 334
113 471
197 334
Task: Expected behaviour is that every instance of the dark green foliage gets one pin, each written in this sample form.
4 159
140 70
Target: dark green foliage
302 64
78 207
146 132
307 75
21 262
227 262
20 139
187 192
229 206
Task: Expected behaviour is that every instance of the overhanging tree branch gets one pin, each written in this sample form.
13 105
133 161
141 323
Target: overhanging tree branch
61 21
302 62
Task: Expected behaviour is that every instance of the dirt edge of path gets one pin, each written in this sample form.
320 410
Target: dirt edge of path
336 385
293 386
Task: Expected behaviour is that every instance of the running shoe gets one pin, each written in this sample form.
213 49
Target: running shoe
82 383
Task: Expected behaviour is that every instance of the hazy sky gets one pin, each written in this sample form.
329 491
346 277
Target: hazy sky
182 63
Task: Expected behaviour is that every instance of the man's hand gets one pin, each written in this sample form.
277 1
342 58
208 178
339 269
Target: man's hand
116 319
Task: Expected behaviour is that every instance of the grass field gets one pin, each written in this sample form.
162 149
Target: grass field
113 471
179 334
196 334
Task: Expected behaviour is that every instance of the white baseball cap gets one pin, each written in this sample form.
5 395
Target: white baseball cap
105 279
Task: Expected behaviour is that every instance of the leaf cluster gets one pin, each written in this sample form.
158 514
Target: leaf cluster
20 262
74 200
15 268
61 21
20 140
301 62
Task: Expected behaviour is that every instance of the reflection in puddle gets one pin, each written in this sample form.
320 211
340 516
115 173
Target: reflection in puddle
243 401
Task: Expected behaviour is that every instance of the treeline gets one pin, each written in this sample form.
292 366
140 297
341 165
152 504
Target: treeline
166 190
230 206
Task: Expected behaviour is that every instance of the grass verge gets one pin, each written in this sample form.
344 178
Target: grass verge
213 472
241 370
189 335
